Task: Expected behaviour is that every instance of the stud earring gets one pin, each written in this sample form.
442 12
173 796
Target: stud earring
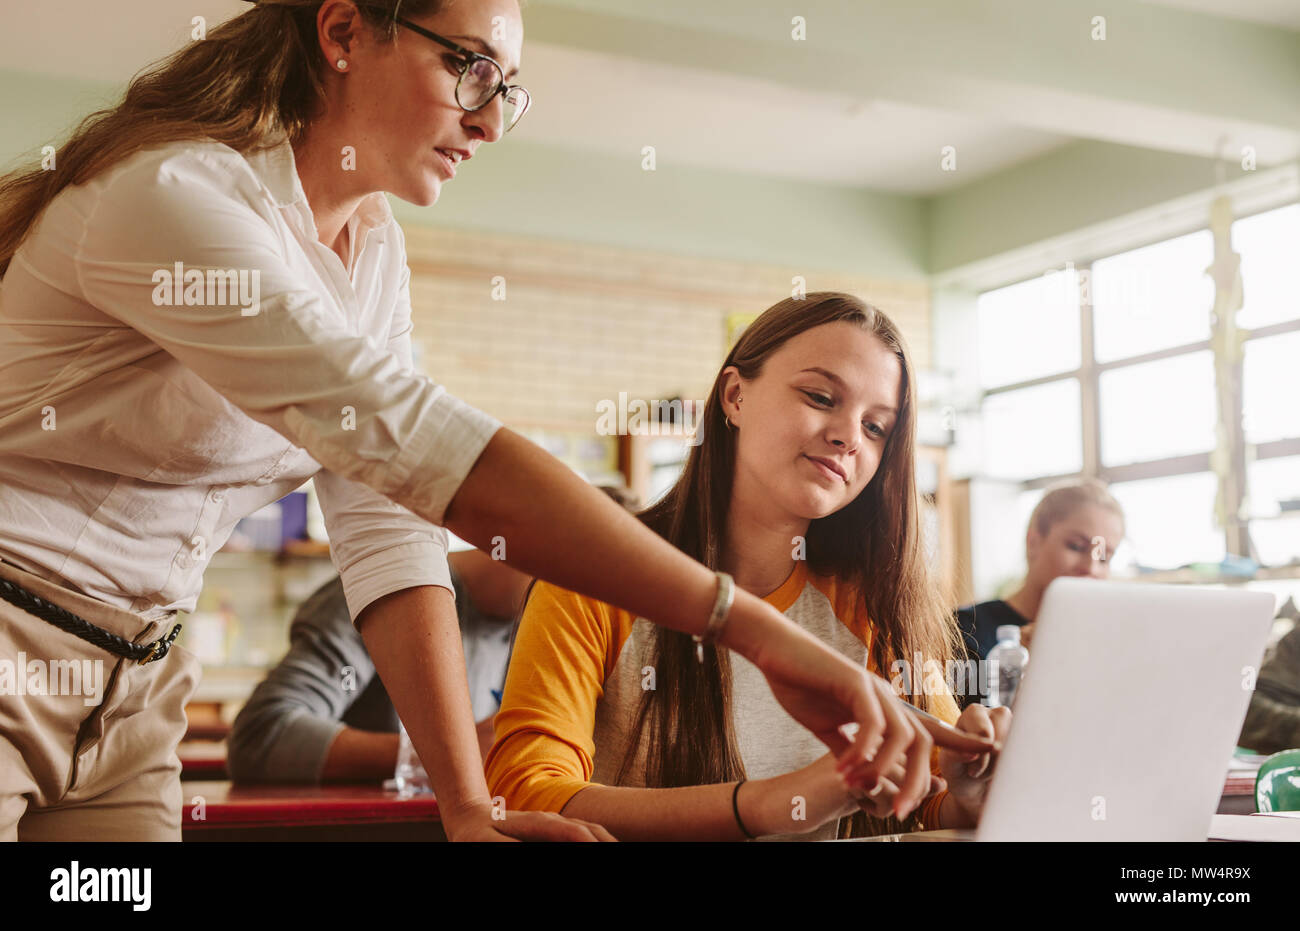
730 425
341 64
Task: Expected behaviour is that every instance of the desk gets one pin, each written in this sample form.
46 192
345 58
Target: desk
202 759
1238 796
221 811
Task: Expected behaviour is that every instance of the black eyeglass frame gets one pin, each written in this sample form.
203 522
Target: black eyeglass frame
469 57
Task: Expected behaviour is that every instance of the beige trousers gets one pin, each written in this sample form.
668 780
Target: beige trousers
87 738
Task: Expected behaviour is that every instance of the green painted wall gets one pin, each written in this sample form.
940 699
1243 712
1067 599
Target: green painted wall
534 190
1072 187
37 110
543 191
526 189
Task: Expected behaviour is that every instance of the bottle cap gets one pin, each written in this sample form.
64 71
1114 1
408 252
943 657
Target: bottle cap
1008 632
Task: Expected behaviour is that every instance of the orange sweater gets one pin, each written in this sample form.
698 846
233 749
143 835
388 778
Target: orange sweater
577 678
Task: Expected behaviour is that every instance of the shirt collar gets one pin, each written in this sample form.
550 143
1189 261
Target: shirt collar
276 169
788 592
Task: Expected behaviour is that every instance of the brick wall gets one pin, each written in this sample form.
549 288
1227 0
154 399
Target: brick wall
581 323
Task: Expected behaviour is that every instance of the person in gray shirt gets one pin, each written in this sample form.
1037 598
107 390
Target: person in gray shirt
323 715
1273 718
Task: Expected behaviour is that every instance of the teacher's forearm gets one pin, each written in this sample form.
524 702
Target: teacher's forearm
548 522
414 639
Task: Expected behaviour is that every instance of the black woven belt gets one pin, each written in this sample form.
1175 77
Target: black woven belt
80 627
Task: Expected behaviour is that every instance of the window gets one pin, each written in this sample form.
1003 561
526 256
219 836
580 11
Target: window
1153 298
1033 431
1274 507
1270 389
1169 522
1159 409
1267 244
1042 313
1140 409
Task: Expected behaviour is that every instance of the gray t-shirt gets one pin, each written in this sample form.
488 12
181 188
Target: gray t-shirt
1273 719
327 681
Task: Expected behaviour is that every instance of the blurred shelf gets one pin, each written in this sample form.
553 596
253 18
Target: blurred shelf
296 551
228 683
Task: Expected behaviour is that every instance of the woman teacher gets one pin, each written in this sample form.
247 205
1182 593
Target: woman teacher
205 302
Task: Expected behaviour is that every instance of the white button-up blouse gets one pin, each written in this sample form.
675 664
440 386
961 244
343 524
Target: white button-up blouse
177 350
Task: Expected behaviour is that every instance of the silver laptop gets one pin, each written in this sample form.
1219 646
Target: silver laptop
1127 715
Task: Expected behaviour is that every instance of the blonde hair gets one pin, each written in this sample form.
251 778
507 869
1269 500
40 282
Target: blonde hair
1064 498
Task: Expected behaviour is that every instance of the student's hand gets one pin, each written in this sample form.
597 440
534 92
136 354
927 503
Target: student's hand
807 798
824 691
480 826
969 774
1026 633
796 802
880 804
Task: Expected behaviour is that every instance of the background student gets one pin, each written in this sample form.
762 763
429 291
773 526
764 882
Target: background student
322 713
1273 718
1074 531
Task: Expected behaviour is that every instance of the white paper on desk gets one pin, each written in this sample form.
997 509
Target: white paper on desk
1246 762
1273 826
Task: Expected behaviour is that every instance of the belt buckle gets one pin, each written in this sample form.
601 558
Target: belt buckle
159 647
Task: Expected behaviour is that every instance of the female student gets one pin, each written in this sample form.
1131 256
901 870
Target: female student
1074 531
802 488
205 302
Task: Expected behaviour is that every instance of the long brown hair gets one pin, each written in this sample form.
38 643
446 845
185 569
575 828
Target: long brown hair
252 80
874 545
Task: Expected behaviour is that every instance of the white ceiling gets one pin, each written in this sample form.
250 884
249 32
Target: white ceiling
617 106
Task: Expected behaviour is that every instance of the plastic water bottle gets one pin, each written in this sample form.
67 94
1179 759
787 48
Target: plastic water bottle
1006 664
410 776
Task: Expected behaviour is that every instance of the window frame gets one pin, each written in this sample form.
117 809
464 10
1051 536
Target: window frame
1089 371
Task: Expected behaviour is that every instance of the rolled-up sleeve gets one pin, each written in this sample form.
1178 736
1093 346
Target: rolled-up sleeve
297 364
378 546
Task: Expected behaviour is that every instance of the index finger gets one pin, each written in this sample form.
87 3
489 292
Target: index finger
945 735
898 736
977 720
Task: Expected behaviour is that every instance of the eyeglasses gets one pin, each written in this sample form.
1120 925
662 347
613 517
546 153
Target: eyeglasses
481 79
